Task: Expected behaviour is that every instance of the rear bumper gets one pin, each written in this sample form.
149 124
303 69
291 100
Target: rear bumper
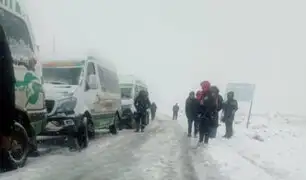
127 114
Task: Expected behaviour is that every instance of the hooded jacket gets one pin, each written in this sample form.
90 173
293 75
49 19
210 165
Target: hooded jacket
142 102
191 108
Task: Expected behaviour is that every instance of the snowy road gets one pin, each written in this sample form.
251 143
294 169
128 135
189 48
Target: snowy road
162 152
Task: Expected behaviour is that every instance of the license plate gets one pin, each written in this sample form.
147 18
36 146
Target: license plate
68 122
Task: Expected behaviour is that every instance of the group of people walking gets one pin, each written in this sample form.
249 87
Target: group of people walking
202 111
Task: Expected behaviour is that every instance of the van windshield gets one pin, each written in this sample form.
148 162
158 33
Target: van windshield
126 92
69 75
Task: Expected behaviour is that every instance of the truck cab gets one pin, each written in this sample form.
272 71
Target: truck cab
30 107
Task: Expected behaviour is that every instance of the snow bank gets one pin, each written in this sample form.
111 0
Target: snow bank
275 144
271 148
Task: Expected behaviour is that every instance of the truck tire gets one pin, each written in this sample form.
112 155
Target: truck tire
20 146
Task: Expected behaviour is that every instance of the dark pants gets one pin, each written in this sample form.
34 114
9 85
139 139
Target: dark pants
174 115
195 123
229 128
153 114
140 120
213 132
204 131
214 125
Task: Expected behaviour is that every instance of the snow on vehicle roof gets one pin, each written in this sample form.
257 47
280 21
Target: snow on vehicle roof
79 62
63 63
103 62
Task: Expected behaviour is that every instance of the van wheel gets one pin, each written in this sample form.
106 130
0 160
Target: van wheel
113 128
91 129
83 134
20 146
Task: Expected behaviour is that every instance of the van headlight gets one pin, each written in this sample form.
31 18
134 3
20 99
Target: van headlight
66 104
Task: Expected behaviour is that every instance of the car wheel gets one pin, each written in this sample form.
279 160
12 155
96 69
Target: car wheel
20 146
113 127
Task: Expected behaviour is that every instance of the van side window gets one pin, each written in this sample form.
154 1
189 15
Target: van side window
110 81
90 69
101 78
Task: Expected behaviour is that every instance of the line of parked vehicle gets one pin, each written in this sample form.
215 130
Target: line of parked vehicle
62 97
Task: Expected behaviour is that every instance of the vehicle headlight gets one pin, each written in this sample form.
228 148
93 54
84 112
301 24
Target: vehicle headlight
66 104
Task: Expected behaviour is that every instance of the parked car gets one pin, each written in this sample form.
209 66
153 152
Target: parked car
82 95
30 108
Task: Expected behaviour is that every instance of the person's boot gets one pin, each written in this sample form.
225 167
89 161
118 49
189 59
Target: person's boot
206 139
200 143
137 127
195 135
33 148
142 130
189 135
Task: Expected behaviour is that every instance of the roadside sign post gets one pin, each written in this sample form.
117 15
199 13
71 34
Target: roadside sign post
249 115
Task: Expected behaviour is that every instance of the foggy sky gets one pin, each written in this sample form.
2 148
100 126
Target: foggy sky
175 44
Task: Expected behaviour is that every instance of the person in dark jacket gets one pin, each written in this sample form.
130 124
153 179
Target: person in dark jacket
215 116
229 109
153 110
175 110
206 109
141 103
7 99
191 111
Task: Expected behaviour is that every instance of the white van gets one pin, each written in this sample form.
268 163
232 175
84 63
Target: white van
88 89
30 103
130 86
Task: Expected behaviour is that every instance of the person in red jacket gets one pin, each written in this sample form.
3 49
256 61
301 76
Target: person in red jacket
206 109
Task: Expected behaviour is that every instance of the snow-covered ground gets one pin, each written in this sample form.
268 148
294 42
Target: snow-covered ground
272 148
162 152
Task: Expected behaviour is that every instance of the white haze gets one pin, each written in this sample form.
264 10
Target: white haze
174 44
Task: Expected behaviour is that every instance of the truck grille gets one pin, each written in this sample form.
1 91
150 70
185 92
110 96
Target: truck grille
50 105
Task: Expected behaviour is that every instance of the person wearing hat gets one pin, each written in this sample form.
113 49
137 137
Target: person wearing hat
229 109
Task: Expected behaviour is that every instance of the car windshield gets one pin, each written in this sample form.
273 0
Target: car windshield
126 92
69 75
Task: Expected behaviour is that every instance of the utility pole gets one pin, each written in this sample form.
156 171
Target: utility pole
250 114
